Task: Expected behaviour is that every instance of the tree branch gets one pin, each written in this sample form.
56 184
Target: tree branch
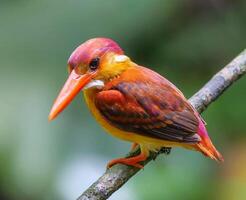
119 174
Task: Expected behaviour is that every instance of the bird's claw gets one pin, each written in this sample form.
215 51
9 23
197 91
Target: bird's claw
165 150
125 162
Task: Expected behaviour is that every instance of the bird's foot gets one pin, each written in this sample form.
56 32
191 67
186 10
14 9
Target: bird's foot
132 161
165 150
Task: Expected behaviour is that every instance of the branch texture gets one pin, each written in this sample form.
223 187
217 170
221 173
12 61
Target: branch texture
119 174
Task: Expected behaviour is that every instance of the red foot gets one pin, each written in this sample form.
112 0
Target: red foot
133 161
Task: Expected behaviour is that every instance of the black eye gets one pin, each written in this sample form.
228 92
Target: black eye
94 63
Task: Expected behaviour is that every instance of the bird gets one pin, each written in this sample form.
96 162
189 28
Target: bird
132 102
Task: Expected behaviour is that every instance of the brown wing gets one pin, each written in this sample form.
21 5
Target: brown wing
146 108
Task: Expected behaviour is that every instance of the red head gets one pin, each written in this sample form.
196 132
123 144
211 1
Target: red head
93 48
90 65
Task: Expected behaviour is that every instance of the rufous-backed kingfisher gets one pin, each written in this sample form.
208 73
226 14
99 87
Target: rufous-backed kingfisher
132 102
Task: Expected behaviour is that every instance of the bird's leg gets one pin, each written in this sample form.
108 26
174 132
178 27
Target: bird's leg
132 161
134 146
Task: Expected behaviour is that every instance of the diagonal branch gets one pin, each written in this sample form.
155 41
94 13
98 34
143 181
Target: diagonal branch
119 174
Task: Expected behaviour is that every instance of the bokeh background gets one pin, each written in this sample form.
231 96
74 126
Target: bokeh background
187 41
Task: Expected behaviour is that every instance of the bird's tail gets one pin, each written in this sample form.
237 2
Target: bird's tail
206 146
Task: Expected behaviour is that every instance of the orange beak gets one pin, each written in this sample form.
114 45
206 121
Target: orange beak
74 84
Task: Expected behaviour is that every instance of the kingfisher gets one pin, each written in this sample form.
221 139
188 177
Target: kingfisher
132 102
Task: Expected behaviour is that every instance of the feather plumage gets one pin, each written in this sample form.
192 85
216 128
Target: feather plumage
148 106
131 102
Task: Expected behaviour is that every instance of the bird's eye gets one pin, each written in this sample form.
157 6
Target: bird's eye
94 64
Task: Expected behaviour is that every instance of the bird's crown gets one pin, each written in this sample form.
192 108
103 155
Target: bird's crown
92 49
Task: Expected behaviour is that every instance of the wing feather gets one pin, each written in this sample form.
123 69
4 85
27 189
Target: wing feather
150 109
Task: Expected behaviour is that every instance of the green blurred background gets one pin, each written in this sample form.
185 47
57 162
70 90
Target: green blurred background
187 41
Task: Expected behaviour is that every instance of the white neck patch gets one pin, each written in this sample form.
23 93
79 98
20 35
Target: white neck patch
94 83
120 58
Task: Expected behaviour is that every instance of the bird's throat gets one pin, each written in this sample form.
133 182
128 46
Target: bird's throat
98 84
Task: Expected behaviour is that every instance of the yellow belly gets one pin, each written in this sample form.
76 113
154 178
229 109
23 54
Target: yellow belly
150 143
